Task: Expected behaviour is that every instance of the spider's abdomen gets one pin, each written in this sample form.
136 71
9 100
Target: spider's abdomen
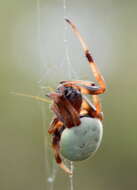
80 142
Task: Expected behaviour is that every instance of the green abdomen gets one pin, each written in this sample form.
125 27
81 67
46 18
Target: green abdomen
80 142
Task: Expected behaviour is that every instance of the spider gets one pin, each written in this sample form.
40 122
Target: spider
71 109
76 118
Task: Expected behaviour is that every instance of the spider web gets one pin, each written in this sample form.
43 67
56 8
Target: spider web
50 165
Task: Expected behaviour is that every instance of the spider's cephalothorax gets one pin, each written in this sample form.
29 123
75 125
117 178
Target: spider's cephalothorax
76 128
72 95
67 105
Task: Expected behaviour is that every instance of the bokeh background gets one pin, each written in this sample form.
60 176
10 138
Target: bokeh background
33 55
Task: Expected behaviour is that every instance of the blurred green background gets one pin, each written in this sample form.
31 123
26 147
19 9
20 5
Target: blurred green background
32 55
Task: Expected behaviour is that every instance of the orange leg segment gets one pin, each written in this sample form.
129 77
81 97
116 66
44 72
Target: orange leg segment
90 59
93 110
56 149
58 159
55 124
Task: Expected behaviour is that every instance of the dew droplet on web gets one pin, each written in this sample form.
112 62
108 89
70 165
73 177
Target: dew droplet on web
50 179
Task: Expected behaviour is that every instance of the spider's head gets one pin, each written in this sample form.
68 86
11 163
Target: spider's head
72 95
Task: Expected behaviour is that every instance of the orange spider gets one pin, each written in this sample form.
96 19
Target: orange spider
76 118
70 104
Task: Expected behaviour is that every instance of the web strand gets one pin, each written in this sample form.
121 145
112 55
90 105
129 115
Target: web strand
51 169
71 74
71 176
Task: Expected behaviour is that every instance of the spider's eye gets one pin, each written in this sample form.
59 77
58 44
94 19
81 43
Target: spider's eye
71 93
93 84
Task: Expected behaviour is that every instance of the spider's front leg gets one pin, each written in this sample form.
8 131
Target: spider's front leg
85 87
54 125
93 66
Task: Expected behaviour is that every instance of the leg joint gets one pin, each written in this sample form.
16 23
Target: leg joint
88 56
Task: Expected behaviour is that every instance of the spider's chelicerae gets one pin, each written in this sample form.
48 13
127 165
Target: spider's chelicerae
76 128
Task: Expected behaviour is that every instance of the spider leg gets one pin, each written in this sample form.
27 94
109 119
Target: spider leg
56 148
85 87
54 125
90 59
97 103
33 97
93 110
83 82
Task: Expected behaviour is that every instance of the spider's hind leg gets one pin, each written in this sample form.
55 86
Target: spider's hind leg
97 104
93 110
56 150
